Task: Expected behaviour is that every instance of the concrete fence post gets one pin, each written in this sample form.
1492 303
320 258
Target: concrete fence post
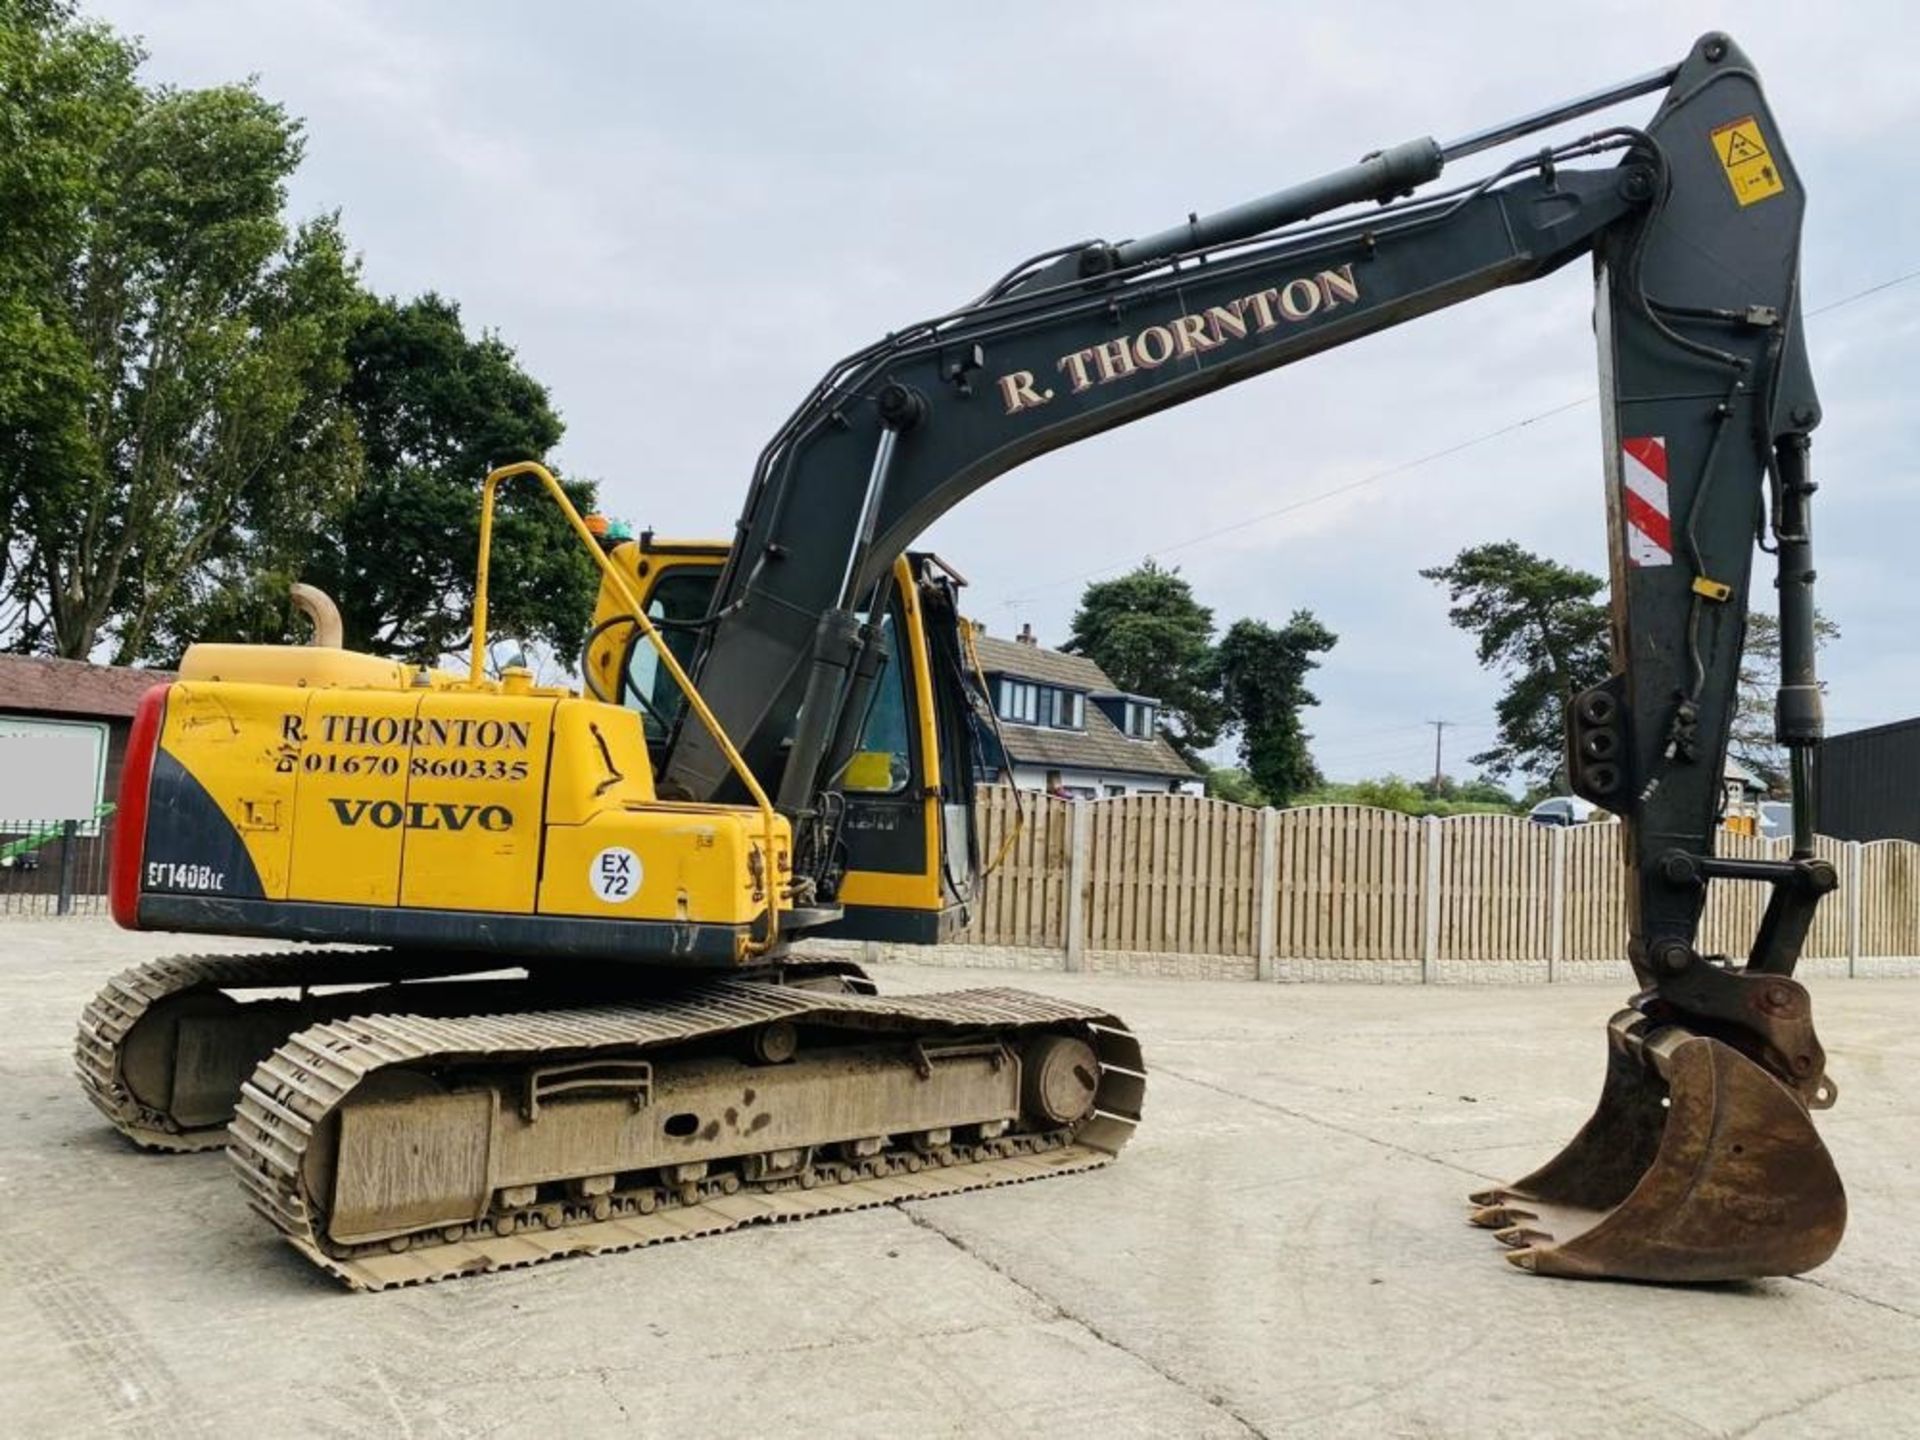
1430 905
1079 864
1854 901
1266 886
1556 900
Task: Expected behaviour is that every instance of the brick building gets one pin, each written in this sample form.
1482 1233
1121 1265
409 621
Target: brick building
63 737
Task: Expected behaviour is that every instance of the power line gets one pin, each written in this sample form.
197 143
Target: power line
1382 730
1302 504
1390 471
1341 740
1863 294
1410 754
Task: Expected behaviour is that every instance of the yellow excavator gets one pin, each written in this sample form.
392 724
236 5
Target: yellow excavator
563 1004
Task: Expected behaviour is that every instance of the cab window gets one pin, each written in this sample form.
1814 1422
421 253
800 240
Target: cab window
679 597
884 762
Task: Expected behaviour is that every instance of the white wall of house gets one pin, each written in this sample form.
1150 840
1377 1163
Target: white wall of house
1098 784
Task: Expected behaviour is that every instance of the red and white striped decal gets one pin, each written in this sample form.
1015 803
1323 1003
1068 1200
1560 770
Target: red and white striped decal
1643 495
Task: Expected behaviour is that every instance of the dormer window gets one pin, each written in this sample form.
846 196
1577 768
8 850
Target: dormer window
1025 703
1140 718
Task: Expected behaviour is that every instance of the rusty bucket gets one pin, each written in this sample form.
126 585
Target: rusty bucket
1697 1165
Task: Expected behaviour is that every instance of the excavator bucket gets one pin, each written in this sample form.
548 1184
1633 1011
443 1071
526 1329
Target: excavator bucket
1697 1165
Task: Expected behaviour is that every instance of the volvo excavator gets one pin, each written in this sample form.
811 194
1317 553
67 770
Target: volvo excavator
565 1005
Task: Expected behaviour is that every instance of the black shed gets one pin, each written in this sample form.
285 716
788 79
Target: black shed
1869 784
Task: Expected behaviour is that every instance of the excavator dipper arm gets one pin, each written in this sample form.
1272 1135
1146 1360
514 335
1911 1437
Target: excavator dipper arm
1693 224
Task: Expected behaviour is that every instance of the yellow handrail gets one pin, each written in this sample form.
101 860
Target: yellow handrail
632 600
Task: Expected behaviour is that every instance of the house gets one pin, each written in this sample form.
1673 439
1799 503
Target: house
1068 730
1741 794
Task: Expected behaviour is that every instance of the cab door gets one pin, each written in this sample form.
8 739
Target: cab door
908 830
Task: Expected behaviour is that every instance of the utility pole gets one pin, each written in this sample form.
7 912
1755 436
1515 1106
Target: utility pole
1439 729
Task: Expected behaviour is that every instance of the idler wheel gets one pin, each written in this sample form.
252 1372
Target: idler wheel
1059 1077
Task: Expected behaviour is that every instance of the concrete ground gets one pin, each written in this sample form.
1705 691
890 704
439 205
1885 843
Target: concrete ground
1281 1252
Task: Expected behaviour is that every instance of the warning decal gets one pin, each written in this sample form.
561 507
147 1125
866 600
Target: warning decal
1643 483
1743 155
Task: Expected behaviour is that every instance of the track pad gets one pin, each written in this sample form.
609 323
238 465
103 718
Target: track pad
406 1164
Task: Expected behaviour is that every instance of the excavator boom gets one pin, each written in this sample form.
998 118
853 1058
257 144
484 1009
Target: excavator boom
1707 407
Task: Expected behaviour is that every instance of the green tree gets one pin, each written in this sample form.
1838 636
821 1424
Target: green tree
1152 637
199 404
1230 782
1479 791
231 583
1263 673
1409 797
435 409
1391 792
67 96
1543 626
1482 791
184 361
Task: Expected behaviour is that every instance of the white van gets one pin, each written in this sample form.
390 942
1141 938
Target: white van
1563 810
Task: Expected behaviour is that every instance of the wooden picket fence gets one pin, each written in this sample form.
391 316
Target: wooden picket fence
1184 874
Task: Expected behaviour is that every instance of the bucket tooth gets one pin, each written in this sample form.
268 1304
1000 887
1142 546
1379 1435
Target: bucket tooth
1495 1217
1697 1165
1519 1237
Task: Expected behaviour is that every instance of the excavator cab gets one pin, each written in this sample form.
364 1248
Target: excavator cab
911 852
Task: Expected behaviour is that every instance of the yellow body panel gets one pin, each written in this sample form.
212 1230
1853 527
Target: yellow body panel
354 780
599 762
677 862
416 792
233 739
890 890
476 772
304 665
350 795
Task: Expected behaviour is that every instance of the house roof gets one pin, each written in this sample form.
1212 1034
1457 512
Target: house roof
1100 746
1036 662
73 687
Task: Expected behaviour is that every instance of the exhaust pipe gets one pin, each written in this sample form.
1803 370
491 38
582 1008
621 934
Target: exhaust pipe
328 631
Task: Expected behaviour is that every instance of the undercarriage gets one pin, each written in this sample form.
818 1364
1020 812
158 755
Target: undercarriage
428 1127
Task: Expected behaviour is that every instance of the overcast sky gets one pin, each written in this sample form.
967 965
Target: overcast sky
681 214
